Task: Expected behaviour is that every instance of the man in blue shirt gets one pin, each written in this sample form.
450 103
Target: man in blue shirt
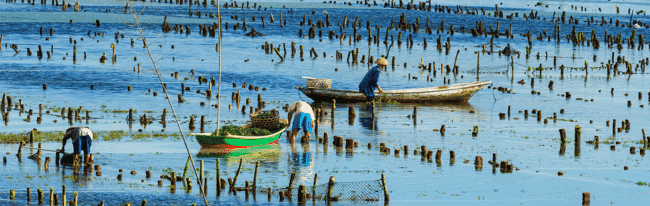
369 82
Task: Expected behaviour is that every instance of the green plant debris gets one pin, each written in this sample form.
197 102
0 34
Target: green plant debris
51 136
241 131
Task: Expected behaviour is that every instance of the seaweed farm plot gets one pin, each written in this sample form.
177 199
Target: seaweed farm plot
556 115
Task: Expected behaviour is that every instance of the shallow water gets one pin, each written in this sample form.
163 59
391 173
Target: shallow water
531 146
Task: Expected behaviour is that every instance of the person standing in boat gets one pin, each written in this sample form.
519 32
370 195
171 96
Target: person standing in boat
369 82
303 117
82 139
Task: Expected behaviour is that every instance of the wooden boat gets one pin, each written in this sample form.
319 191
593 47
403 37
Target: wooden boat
452 93
207 140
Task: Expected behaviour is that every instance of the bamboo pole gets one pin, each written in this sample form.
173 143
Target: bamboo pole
153 62
383 184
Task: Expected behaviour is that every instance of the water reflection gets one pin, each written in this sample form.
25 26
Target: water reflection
301 163
367 119
371 122
264 153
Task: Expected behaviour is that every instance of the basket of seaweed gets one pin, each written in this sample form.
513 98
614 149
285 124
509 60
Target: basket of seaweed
265 120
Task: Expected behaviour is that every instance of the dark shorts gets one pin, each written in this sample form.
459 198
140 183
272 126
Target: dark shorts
370 95
82 143
302 120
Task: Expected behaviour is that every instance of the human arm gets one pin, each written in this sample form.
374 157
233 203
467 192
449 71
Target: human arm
289 117
65 139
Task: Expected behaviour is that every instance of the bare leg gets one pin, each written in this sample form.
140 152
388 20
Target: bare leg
86 158
294 133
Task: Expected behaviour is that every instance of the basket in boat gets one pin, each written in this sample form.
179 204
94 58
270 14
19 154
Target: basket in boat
319 83
265 120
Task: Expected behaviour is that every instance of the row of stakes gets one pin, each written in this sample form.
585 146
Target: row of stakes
302 195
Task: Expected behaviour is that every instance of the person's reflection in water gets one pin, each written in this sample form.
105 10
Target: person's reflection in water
366 118
297 159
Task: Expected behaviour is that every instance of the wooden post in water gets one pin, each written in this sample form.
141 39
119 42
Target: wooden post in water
257 164
51 196
302 194
645 140
202 130
172 180
313 189
333 108
293 176
577 141
330 187
201 170
232 186
512 69
586 198
63 196
383 185
218 180
20 149
478 64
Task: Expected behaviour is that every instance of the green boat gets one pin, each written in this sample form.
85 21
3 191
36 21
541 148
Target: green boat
207 140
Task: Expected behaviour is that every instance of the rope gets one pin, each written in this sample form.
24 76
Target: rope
300 95
144 41
500 69
556 67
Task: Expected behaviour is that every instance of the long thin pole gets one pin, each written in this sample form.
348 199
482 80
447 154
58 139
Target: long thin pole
144 41
219 86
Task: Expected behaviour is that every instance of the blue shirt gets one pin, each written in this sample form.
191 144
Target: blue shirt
369 82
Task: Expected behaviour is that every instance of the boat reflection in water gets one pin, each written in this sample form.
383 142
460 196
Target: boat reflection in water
366 118
265 153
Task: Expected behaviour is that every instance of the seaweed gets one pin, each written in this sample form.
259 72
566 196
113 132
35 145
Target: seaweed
245 131
241 131
265 114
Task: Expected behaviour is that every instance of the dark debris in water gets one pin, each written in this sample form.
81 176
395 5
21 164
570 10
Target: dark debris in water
254 33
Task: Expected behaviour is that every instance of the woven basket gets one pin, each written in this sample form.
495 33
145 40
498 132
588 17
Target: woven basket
270 123
319 83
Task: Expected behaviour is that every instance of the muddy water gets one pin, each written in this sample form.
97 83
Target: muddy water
531 146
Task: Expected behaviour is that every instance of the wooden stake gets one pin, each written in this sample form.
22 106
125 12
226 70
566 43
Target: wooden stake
218 178
383 184
478 64
257 164
330 187
313 190
63 196
232 186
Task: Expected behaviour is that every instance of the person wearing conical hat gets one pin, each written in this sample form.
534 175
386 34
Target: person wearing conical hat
369 82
